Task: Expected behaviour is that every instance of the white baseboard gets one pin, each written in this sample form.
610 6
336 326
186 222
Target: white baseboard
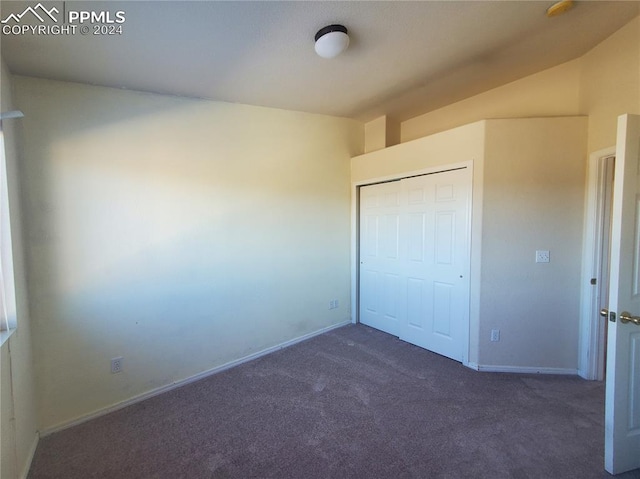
184 382
521 369
30 456
585 374
527 370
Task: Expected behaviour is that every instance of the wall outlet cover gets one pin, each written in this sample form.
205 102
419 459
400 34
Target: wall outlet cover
116 364
543 256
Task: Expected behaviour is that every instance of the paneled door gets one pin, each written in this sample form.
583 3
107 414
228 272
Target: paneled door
436 264
622 401
380 263
414 260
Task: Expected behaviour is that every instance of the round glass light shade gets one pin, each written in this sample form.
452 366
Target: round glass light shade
331 41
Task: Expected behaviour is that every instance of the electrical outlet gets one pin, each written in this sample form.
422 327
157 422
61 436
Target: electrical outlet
116 365
542 256
333 304
495 335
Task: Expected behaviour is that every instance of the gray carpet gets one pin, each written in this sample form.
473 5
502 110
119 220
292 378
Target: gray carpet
352 403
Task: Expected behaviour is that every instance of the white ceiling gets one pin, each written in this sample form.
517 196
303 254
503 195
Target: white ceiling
405 58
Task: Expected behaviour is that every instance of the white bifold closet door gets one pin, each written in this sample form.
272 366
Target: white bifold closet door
414 260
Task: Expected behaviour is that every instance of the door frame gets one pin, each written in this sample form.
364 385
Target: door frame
473 275
592 347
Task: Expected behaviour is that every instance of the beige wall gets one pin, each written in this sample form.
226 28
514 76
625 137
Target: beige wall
603 84
381 133
18 427
457 145
610 84
375 134
180 234
553 92
534 178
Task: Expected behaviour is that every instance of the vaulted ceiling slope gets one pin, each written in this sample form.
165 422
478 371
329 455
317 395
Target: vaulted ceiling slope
405 58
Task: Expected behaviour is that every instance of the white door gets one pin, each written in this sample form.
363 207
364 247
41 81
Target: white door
414 260
380 267
436 262
622 403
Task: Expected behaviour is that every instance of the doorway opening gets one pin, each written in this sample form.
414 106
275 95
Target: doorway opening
595 275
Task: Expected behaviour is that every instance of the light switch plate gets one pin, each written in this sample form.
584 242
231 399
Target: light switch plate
542 256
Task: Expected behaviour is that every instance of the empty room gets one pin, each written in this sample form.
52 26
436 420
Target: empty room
319 239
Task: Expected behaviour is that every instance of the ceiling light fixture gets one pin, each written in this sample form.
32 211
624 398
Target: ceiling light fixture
559 8
331 41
